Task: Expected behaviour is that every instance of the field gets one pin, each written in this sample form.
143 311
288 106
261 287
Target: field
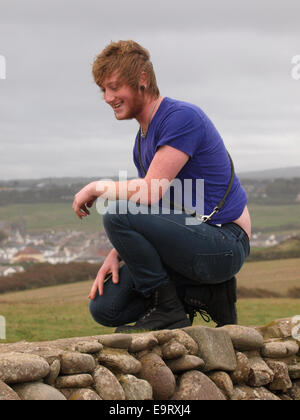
277 276
62 311
60 216
275 218
50 216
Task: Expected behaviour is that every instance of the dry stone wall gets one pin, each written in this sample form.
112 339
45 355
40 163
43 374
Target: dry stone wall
194 363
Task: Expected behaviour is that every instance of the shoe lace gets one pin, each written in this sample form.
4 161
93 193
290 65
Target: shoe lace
148 313
195 306
152 308
203 313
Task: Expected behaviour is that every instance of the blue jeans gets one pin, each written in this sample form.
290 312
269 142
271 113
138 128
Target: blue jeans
154 245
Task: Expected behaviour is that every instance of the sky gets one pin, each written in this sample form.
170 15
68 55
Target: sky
231 58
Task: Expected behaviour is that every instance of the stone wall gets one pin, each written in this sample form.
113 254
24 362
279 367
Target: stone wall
194 363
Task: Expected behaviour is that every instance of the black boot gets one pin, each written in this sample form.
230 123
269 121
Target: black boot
217 301
165 312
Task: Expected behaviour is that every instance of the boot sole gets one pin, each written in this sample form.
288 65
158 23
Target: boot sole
180 324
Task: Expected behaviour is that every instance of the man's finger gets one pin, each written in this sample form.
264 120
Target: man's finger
93 291
115 275
84 209
91 202
100 284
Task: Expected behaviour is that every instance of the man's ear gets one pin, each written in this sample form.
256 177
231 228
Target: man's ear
143 82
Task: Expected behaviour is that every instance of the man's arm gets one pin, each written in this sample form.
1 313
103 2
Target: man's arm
166 164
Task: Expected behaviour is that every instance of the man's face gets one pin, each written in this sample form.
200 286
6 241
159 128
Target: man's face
125 102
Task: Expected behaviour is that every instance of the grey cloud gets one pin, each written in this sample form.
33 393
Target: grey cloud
192 15
231 58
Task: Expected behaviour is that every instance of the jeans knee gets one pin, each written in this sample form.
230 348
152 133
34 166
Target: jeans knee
116 212
108 219
101 313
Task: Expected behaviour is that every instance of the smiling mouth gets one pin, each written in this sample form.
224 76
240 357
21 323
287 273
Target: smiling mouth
117 106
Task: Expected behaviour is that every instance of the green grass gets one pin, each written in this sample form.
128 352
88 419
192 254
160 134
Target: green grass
273 219
50 216
60 216
34 322
263 311
62 311
49 313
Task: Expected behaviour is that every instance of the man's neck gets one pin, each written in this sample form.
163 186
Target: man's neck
148 111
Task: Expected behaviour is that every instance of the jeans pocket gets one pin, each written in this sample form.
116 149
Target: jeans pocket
213 268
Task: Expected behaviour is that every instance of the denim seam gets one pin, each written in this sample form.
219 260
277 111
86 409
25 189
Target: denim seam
183 226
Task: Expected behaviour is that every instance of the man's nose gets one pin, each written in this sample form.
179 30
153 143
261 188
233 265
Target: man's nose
108 96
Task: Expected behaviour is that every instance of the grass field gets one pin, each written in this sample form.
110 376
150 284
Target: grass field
62 311
60 217
279 218
50 216
277 276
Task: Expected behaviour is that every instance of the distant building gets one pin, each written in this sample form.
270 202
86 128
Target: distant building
8 271
28 254
5 227
92 254
19 238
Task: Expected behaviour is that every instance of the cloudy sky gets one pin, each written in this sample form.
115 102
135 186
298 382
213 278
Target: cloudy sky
232 58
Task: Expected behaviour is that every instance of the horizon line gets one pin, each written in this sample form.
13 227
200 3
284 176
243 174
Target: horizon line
115 176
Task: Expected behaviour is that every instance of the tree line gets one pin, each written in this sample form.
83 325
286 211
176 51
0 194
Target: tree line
267 192
45 274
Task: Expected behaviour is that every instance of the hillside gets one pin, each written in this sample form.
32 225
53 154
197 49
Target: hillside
62 311
277 277
290 248
275 188
285 173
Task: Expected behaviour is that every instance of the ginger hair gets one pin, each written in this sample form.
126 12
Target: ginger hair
129 60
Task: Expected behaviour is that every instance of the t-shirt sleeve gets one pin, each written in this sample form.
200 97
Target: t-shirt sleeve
182 129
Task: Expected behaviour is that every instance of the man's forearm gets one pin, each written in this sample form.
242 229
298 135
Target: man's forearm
124 190
140 190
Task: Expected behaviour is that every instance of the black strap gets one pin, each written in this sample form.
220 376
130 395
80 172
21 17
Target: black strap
139 152
221 203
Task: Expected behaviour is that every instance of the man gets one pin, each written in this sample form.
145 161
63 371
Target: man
168 263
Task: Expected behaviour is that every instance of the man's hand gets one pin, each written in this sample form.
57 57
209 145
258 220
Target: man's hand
83 199
110 266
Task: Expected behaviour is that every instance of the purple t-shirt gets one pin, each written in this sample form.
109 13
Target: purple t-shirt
186 127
